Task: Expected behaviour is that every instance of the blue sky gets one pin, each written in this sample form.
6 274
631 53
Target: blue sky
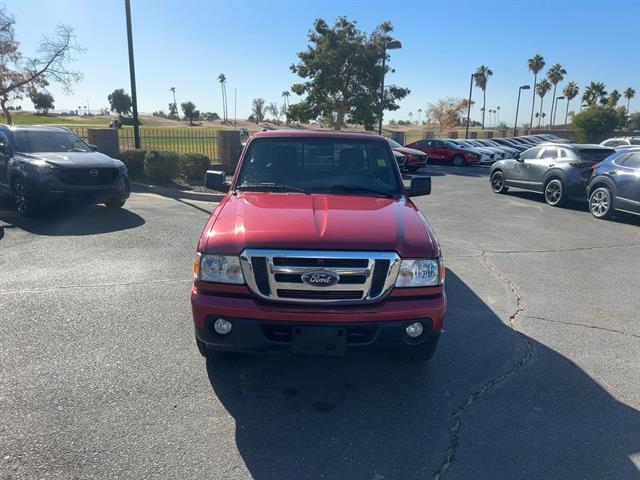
187 43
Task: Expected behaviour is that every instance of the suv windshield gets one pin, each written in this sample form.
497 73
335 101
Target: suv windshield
317 164
46 141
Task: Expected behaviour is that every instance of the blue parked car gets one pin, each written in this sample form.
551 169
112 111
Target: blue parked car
615 184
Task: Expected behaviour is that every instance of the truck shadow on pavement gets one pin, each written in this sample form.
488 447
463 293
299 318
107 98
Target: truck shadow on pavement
376 417
442 169
73 221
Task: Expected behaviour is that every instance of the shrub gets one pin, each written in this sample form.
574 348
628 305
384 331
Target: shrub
193 165
595 123
161 166
134 160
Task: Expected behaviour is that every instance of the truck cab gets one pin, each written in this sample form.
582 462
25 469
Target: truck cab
317 249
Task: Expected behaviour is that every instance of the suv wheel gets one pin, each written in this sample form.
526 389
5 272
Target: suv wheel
554 192
458 160
497 182
25 204
600 203
115 203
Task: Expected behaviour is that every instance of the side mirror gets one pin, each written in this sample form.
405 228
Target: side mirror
5 150
517 156
420 186
215 180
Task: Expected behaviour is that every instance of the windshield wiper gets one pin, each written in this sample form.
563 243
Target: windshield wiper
358 189
270 186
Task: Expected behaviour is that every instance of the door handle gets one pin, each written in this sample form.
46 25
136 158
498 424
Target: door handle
613 172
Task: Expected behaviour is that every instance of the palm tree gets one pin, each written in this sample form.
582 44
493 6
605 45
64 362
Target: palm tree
595 91
536 64
629 93
614 98
570 92
410 117
555 76
419 113
285 99
175 105
481 78
223 82
542 89
498 112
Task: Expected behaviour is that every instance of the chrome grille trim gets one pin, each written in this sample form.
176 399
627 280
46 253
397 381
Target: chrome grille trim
365 288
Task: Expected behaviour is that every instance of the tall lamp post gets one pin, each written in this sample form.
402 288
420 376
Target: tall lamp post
132 73
390 45
555 110
515 123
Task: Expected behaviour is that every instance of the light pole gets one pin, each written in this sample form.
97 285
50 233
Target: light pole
390 45
555 110
515 123
132 73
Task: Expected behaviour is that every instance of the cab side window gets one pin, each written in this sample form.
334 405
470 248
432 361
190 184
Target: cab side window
549 153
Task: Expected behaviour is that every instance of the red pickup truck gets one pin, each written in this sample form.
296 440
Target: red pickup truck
317 249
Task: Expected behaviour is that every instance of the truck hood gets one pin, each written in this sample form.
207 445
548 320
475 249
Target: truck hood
317 222
75 159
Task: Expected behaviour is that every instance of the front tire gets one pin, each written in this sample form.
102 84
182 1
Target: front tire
458 160
497 182
601 203
115 203
554 193
25 203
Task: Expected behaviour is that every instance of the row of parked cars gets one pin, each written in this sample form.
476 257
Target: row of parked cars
609 178
465 152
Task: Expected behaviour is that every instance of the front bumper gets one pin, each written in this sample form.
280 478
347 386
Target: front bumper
50 188
264 326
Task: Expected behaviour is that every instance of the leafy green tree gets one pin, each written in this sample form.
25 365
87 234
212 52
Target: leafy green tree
542 89
173 110
120 101
42 102
258 109
614 98
189 111
595 123
343 70
555 75
481 78
570 92
594 93
535 64
633 121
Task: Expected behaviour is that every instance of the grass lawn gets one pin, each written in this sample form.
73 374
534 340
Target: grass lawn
28 118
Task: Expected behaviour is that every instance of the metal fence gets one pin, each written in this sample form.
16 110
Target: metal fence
182 140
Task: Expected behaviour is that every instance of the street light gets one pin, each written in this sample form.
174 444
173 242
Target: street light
555 110
390 45
515 123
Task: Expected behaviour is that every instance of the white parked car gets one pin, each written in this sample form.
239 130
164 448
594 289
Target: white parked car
620 142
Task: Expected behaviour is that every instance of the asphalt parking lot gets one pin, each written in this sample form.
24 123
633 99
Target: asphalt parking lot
536 375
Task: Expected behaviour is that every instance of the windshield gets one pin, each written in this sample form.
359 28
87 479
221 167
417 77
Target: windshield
634 141
40 141
317 164
450 143
595 155
393 143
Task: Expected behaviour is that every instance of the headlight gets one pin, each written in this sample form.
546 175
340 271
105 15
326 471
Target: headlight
421 272
217 268
122 169
42 166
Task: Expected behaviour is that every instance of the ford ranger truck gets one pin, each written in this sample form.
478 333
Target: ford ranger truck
317 249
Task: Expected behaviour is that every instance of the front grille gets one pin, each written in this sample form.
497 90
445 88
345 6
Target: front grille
356 277
86 176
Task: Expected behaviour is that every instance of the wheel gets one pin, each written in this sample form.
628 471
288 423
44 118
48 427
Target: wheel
422 354
115 203
554 192
497 182
208 352
458 160
25 204
601 203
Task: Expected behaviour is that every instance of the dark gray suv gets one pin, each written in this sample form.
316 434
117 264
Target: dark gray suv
560 171
43 165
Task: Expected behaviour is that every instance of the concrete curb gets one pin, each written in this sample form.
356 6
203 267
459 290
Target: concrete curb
138 187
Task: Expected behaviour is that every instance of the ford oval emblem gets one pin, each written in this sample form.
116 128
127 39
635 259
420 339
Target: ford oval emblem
320 278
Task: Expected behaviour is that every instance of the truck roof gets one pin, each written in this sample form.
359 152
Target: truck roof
317 134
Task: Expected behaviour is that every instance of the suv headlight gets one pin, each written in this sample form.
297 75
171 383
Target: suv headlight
42 166
217 268
122 169
421 272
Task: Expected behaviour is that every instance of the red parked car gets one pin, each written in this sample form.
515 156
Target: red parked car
318 249
443 151
414 159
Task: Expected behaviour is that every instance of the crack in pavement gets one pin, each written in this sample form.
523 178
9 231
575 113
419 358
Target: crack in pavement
456 419
551 250
95 285
612 330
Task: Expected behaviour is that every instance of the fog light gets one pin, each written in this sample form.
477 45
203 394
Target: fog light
222 326
414 330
